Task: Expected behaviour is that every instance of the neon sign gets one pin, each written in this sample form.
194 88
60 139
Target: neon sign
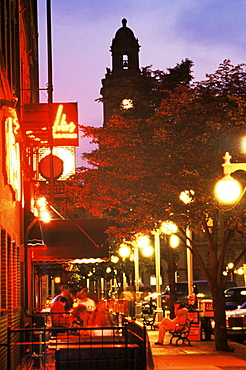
39 119
13 153
61 128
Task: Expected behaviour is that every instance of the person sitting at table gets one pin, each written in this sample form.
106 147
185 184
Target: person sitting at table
65 292
58 313
79 316
83 299
102 318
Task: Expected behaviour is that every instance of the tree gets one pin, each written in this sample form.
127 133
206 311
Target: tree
147 90
141 166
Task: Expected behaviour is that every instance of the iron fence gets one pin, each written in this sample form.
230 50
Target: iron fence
94 348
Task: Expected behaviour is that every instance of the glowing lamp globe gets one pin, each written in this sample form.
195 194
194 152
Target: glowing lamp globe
147 251
169 227
227 190
124 251
230 265
142 241
240 271
174 241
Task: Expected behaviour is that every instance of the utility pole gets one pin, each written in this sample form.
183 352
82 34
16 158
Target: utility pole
50 98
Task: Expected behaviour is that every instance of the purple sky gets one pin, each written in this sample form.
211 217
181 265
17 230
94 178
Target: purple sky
205 31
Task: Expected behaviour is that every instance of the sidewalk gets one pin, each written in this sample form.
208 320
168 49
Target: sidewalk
199 356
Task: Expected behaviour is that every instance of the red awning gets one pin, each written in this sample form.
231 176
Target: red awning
67 240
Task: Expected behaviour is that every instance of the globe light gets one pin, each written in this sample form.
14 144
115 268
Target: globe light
147 251
174 241
169 227
124 251
227 190
240 271
230 265
142 241
114 259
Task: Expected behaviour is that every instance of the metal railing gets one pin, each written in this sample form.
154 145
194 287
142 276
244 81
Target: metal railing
106 348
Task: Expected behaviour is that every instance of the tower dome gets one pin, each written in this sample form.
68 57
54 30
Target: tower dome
125 49
122 83
124 37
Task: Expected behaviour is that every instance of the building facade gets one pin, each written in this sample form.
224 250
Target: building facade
18 86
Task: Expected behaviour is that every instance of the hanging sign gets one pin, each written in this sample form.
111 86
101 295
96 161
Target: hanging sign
56 122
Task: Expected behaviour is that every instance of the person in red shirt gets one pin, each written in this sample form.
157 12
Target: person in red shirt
65 292
58 315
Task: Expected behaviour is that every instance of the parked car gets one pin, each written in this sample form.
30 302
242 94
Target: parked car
200 287
236 323
235 297
238 312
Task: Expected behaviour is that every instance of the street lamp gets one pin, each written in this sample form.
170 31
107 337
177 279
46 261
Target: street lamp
228 190
230 270
159 312
187 196
141 242
168 228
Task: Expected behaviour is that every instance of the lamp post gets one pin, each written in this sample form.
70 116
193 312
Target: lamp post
141 242
136 267
186 197
167 228
189 262
228 190
159 311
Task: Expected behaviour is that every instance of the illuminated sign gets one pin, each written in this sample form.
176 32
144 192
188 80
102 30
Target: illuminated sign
57 122
62 129
66 154
13 153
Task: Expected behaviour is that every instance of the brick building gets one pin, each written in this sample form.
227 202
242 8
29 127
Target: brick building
18 86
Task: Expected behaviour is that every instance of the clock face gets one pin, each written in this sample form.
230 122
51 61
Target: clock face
127 104
44 166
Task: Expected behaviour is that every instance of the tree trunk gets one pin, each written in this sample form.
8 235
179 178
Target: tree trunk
220 332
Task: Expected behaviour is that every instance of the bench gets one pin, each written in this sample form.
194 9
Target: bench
149 320
181 333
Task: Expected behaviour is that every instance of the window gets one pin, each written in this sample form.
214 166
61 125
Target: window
125 61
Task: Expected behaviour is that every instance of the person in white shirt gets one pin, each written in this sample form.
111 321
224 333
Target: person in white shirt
83 299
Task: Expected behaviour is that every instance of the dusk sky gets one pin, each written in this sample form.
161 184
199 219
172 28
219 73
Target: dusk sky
205 31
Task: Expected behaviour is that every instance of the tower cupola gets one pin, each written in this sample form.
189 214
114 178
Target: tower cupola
122 84
125 51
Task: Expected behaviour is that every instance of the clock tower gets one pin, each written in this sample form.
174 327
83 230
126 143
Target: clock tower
122 84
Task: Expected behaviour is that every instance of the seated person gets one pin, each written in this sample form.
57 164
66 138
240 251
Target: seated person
101 317
58 313
181 315
79 316
83 299
65 292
